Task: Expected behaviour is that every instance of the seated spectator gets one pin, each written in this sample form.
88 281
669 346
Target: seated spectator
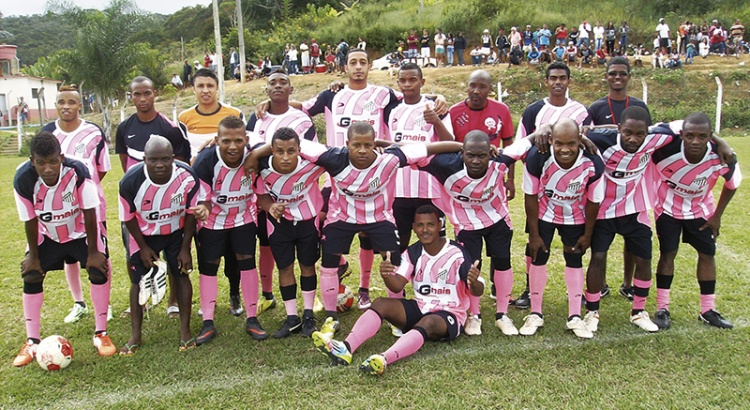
476 55
559 53
638 55
586 54
545 57
533 56
674 60
330 58
176 82
601 57
703 47
492 58
717 41
516 56
572 52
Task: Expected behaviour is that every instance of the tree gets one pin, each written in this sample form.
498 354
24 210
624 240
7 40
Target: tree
104 57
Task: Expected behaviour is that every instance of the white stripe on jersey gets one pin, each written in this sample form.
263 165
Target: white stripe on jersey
298 190
549 114
294 119
231 193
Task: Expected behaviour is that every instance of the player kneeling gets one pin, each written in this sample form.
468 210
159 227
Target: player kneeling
57 201
442 283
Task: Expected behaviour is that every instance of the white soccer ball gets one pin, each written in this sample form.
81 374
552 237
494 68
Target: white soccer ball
54 353
345 299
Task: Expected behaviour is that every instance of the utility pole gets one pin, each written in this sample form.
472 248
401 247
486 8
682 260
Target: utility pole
241 38
217 38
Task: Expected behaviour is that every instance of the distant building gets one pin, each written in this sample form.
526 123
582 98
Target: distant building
14 85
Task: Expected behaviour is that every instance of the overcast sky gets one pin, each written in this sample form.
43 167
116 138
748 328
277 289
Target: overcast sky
28 7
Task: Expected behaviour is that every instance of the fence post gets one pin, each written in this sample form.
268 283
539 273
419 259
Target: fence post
645 91
719 97
500 91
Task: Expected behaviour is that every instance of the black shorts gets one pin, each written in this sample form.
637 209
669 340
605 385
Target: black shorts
497 239
103 243
53 254
414 315
569 235
663 42
170 244
404 210
668 230
286 236
337 237
325 192
262 231
634 228
214 244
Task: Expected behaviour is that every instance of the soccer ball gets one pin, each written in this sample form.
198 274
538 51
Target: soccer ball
345 299
54 353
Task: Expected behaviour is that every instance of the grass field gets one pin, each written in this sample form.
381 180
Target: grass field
688 366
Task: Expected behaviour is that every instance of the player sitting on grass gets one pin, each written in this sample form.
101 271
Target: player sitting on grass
563 191
157 201
57 201
688 169
442 275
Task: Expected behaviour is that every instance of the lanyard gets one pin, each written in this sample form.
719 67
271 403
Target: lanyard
612 112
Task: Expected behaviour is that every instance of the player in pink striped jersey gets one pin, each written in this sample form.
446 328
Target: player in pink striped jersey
626 153
231 224
548 111
443 276
475 201
562 192
288 190
85 141
688 169
158 198
280 114
57 200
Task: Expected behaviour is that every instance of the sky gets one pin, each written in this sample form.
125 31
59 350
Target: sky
28 7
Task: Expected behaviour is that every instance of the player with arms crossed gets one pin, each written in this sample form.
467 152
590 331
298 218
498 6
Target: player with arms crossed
563 191
443 276
231 224
157 201
57 201
688 169
85 142
280 114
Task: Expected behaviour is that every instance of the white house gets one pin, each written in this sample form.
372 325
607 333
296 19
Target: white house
14 85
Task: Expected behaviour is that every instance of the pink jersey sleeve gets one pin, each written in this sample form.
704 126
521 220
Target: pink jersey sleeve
311 151
406 269
595 191
517 149
89 197
414 153
531 184
25 208
125 210
735 180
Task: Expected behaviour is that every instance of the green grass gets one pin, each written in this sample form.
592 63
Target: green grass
688 366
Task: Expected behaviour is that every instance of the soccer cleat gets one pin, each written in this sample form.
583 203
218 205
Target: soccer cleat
523 301
318 305
344 271
642 320
292 324
662 318
591 320
335 350
396 332
265 304
235 306
531 323
76 313
627 292
158 282
308 326
505 324
27 354
330 326
473 325
254 329
104 345
577 325
144 288
605 291
363 301
715 319
208 332
374 365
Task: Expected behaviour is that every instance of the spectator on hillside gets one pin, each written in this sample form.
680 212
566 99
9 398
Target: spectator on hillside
330 60
717 40
586 54
703 47
215 62
638 56
560 53
662 29
207 61
304 51
533 55
476 55
450 48
196 66
412 41
514 38
683 33
544 36
573 35
583 33
292 53
362 45
234 60
572 52
624 33
176 82
501 41
545 57
610 33
598 35
187 71
342 50
674 60
314 54
23 109
515 57
690 53
486 43
601 57
561 34
424 42
737 32
460 45
528 39
439 48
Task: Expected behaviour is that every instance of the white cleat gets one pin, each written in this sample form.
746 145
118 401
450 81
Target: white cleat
76 313
531 323
642 320
505 324
579 328
591 320
473 325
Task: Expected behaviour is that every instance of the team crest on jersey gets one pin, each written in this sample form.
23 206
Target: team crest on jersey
644 159
375 183
574 186
245 182
68 197
700 181
370 106
299 186
420 122
490 123
177 198
443 275
80 149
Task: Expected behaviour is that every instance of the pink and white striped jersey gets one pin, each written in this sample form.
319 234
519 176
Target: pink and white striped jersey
684 189
361 196
563 192
87 144
59 207
347 106
159 209
473 204
439 281
233 201
293 118
298 190
626 182
542 112
406 124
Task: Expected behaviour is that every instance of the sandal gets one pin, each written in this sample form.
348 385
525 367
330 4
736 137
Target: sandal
189 345
129 350
173 312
